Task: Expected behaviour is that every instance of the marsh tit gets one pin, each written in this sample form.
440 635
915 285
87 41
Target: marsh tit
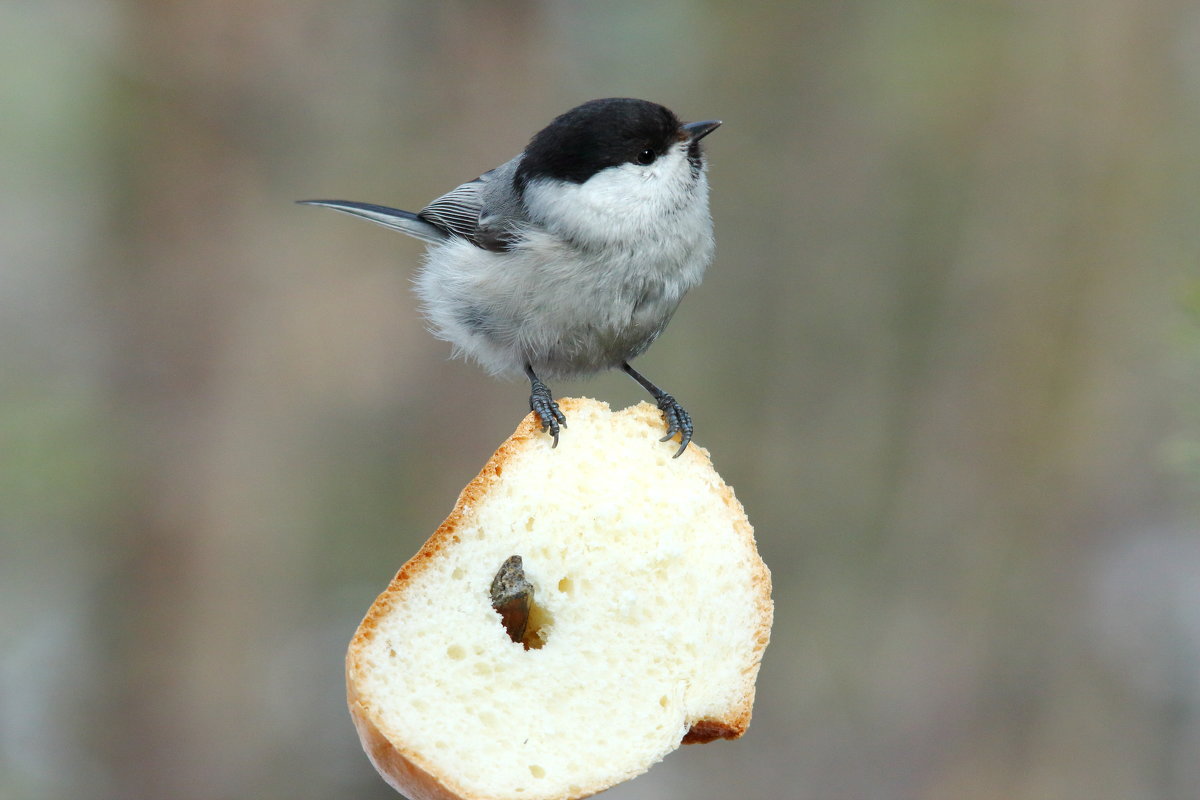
570 258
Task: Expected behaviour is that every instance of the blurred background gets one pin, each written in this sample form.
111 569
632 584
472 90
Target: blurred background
948 355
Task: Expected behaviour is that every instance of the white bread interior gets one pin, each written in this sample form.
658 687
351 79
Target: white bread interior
652 611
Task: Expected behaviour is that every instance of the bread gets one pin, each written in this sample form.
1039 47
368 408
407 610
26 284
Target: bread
650 614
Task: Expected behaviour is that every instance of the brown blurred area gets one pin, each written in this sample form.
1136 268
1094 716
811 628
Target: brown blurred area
948 355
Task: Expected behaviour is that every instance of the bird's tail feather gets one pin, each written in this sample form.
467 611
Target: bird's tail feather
394 218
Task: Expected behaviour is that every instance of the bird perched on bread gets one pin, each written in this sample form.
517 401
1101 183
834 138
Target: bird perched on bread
570 258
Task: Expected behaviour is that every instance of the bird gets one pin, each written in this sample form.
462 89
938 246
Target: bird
570 258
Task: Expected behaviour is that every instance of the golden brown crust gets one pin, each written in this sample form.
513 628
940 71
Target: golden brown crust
401 767
709 730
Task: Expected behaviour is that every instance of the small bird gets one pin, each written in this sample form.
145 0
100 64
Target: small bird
570 258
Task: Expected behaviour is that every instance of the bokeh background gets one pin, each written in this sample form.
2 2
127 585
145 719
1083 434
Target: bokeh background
948 355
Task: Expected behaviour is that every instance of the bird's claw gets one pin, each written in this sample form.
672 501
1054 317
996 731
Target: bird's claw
678 421
541 402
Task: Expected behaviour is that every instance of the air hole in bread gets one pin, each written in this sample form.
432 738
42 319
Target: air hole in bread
536 771
537 633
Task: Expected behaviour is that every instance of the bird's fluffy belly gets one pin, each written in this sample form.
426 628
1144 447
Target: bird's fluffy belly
546 306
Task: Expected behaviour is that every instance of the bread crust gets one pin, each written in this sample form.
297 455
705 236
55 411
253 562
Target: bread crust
405 770
396 765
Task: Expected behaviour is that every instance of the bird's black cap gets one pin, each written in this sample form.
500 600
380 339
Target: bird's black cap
596 135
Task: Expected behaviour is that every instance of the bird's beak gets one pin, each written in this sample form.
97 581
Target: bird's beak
698 130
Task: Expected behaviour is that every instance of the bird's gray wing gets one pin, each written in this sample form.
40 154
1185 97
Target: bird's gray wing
486 212
457 211
478 211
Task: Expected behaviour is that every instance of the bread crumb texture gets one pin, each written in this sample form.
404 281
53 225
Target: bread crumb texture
651 605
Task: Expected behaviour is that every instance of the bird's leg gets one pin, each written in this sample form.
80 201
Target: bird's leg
541 402
678 420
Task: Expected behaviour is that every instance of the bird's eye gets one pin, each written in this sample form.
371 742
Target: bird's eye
647 156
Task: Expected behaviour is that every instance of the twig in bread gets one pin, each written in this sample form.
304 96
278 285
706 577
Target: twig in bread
512 597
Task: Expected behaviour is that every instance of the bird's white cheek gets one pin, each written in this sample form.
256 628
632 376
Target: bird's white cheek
615 204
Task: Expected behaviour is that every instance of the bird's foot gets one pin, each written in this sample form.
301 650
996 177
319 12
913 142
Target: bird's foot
541 402
678 421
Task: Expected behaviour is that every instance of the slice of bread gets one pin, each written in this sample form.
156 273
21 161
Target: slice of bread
650 614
